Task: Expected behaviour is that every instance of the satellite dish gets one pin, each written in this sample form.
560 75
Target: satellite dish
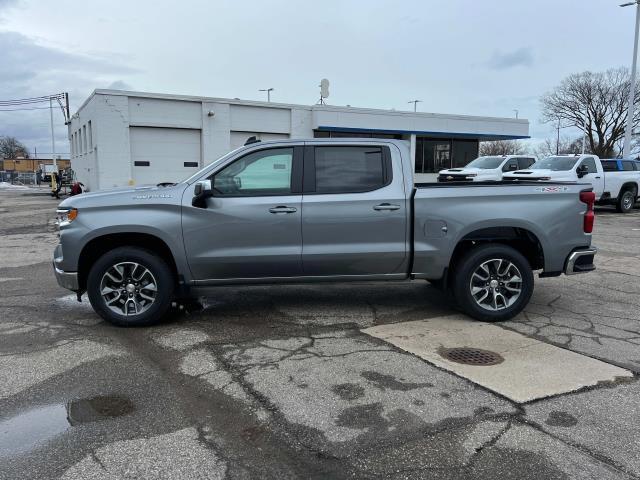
324 88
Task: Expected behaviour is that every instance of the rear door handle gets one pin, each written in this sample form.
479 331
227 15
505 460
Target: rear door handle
386 206
283 209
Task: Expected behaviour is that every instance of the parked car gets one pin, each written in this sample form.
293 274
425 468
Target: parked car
489 168
611 186
316 211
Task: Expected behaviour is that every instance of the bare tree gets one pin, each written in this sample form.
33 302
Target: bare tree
10 147
562 146
595 102
501 147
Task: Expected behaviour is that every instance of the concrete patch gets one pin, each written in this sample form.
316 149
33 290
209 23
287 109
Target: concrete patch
531 369
181 454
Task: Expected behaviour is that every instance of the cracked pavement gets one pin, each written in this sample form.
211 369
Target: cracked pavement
279 381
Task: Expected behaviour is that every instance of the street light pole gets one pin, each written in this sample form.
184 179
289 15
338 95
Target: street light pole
626 152
415 103
53 141
268 90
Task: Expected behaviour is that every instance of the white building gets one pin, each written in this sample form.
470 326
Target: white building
125 138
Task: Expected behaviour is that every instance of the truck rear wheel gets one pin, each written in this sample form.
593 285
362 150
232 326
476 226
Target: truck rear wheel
626 200
130 286
493 282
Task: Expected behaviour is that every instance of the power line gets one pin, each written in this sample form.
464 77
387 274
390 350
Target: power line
21 109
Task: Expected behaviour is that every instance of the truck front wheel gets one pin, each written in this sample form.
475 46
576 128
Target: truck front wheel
130 286
493 282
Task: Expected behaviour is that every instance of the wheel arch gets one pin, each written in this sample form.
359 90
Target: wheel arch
521 239
100 245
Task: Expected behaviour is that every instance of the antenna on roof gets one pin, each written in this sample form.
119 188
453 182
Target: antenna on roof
324 90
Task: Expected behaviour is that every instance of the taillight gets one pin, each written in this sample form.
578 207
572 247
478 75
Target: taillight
589 198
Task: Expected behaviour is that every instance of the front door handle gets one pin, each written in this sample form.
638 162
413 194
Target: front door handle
283 209
386 206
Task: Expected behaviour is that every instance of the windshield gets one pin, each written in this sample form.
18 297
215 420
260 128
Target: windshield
486 163
557 164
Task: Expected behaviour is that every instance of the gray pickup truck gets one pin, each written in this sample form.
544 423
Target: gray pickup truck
315 211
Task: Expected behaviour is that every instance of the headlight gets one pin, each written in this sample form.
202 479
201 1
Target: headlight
64 216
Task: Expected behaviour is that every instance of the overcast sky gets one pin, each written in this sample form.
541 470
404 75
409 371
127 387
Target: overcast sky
478 57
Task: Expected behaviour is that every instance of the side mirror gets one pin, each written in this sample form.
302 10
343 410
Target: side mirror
582 170
201 191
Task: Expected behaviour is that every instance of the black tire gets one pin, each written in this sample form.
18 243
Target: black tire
626 201
472 261
161 274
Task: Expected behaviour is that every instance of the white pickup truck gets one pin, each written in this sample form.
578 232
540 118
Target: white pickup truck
484 169
612 187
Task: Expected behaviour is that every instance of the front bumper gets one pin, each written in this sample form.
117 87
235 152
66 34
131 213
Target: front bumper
68 280
446 177
580 261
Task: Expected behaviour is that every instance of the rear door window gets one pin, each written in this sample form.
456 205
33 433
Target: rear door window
610 166
350 169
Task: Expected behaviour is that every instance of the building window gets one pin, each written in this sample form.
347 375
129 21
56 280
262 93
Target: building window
90 136
433 155
463 151
72 146
84 139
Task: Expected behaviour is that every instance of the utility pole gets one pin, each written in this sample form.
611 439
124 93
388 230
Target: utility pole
415 104
584 130
53 141
626 152
268 90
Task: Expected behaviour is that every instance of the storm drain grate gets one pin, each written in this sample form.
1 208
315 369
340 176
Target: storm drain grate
471 356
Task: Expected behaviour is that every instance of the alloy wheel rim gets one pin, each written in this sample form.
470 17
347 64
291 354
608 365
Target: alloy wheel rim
627 201
128 288
496 284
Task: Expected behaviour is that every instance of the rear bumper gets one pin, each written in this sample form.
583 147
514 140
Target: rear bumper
580 261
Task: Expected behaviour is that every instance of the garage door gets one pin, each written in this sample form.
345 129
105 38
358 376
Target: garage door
238 138
163 154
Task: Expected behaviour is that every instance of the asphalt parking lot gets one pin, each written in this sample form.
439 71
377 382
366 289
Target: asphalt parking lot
322 381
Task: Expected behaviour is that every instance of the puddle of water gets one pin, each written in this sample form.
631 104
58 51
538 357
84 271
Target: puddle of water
23 432
29 429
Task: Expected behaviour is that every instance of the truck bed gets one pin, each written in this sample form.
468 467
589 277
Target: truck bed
446 213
